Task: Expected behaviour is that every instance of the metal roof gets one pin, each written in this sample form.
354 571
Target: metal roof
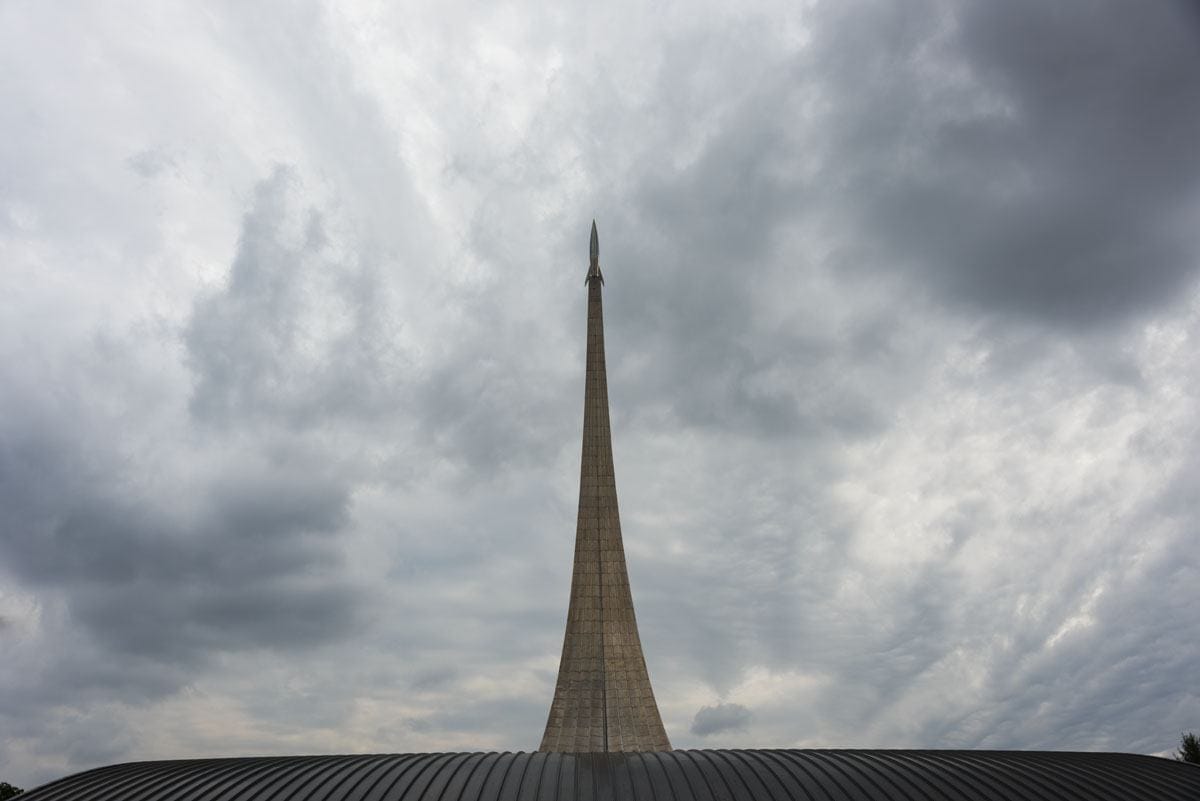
771 775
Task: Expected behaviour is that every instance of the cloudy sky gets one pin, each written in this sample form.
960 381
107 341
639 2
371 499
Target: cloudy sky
903 317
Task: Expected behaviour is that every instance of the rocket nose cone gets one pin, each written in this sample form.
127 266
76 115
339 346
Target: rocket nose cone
595 247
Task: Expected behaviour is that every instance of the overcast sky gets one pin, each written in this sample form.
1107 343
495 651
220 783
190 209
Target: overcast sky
903 322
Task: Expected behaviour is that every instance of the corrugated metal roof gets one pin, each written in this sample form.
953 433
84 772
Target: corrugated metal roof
770 775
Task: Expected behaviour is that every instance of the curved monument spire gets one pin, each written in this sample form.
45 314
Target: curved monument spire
603 700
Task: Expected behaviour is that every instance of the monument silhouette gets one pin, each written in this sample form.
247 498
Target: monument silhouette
603 700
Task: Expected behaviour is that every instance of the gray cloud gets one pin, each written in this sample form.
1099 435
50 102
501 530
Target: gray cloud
150 163
1060 198
1008 158
711 720
257 570
297 334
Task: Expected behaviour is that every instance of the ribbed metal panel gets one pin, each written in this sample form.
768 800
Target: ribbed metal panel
714 775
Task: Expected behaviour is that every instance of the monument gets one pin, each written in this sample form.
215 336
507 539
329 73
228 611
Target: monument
603 700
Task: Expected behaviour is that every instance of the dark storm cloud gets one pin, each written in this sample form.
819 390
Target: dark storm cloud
1070 197
1027 160
711 720
256 570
